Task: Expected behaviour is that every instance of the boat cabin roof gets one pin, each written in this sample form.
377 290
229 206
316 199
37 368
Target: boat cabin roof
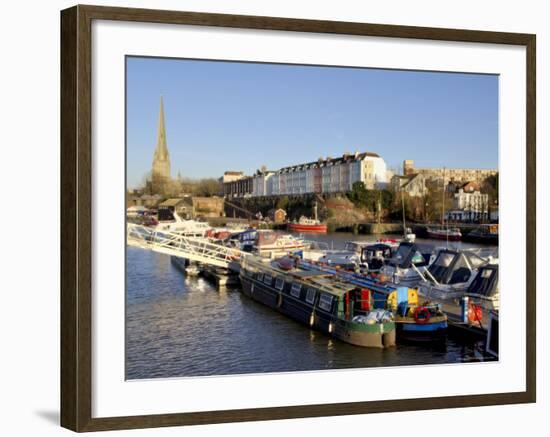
450 265
486 281
407 254
377 246
323 281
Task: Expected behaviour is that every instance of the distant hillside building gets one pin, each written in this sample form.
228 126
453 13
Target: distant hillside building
450 174
230 176
324 176
413 184
469 204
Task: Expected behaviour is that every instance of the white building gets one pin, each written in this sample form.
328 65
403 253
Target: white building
469 206
262 183
330 175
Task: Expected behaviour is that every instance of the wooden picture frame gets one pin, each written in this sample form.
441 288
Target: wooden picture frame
76 217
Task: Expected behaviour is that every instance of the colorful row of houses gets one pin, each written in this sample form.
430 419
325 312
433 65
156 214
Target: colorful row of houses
324 176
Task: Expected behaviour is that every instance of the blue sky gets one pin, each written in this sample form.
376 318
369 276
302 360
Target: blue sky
239 116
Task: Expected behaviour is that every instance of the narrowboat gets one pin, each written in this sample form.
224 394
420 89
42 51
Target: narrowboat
415 319
308 225
407 266
318 300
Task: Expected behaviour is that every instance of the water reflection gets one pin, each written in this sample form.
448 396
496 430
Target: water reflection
179 326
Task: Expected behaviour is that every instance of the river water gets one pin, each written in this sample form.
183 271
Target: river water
184 326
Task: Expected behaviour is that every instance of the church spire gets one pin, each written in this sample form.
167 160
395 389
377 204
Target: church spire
161 160
161 151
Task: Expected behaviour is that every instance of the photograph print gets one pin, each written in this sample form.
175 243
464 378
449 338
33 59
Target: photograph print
289 218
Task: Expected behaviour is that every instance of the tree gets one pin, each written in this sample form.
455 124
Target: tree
359 194
207 187
490 186
282 202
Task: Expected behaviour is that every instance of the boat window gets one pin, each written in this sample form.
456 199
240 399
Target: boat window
444 259
418 258
325 302
485 283
260 276
295 290
267 279
402 252
279 283
350 247
310 298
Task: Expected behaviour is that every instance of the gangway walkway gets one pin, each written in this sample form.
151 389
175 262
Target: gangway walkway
197 249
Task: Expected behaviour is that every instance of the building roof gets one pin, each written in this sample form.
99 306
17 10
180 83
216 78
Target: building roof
345 158
172 202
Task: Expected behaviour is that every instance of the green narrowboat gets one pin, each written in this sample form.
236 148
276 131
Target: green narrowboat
319 300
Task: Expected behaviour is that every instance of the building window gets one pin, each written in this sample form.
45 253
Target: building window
267 279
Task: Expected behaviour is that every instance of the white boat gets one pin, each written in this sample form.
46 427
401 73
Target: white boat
348 260
407 266
470 302
315 250
349 257
272 244
188 228
444 234
451 273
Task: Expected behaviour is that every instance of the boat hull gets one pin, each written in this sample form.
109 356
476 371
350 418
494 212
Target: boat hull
376 336
316 229
409 330
481 239
449 237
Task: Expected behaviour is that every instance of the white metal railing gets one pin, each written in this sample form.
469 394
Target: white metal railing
197 249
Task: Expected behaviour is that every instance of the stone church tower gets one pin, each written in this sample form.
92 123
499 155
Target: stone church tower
160 175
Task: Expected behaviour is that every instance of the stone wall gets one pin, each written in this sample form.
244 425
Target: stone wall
208 206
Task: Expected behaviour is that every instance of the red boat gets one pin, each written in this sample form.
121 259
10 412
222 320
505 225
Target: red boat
308 225
445 234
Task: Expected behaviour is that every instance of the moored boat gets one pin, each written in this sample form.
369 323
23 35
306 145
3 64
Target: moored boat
349 257
375 256
416 319
485 234
407 265
451 273
471 300
318 300
444 234
272 244
308 225
188 228
491 346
